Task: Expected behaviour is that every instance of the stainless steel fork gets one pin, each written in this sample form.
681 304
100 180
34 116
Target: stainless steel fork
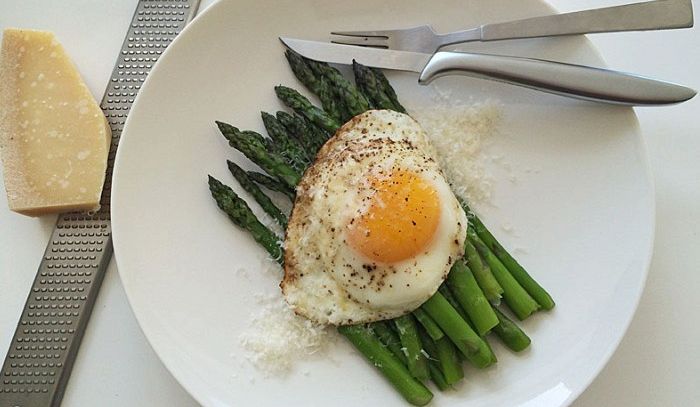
652 15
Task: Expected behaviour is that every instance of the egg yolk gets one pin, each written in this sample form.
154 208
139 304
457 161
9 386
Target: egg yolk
400 220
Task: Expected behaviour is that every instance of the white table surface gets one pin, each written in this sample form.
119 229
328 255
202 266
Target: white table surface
658 361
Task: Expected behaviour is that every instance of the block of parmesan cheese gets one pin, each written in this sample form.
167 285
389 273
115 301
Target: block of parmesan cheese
54 138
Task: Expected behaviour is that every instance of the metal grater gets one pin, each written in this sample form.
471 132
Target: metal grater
45 344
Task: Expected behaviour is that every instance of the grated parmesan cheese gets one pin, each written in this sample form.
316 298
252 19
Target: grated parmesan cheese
459 135
277 337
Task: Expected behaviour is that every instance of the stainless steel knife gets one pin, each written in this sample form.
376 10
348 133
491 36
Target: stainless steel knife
577 81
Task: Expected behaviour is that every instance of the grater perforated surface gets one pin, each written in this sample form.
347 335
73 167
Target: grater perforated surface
45 344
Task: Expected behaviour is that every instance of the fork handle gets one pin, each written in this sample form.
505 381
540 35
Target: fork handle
652 15
577 81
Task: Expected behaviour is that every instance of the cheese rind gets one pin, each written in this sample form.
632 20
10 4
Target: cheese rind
54 138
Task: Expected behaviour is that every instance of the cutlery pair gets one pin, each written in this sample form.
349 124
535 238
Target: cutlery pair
414 49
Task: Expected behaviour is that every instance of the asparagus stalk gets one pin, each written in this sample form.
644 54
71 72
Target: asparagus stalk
450 363
393 343
516 270
271 184
518 300
318 136
253 146
389 338
316 84
301 105
239 212
445 360
445 291
408 333
443 354
372 87
252 188
467 341
296 126
437 377
509 333
283 145
389 365
466 291
346 93
388 89
488 283
430 326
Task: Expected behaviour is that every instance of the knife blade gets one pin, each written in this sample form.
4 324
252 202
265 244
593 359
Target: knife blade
576 81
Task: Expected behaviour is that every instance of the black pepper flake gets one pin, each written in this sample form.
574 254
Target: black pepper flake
369 267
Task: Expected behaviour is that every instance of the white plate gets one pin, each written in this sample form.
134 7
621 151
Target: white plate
585 214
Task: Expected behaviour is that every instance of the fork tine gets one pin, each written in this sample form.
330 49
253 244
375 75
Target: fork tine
381 33
362 41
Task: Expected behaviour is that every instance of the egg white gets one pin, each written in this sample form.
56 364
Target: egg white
328 281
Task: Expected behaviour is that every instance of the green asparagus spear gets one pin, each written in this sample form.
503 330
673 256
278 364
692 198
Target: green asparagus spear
316 83
511 335
390 366
263 200
516 270
430 326
536 291
449 374
317 135
389 338
450 363
271 184
239 212
518 300
467 341
388 89
408 333
466 291
301 105
445 291
303 71
437 377
252 145
371 87
488 283
276 131
296 127
284 145
444 354
345 92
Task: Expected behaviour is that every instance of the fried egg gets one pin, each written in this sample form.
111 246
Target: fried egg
375 226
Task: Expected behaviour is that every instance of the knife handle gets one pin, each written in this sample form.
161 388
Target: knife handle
577 81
